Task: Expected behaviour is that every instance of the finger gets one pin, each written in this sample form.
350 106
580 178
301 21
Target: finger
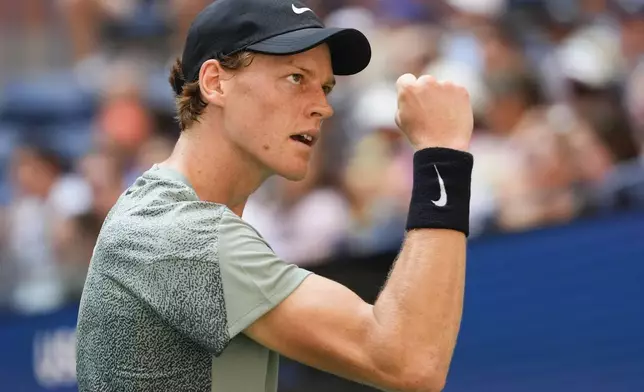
405 80
426 79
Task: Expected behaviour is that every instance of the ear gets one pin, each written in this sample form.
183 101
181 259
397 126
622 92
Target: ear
211 75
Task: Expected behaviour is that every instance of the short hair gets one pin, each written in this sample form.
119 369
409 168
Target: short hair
45 155
190 105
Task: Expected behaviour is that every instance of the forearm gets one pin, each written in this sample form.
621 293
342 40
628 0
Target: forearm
419 311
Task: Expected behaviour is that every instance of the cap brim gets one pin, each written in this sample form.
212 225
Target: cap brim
350 49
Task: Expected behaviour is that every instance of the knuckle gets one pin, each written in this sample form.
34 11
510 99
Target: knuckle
427 79
405 80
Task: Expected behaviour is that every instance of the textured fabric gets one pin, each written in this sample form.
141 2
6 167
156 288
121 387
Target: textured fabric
167 274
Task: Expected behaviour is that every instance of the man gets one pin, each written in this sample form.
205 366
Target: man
37 220
183 295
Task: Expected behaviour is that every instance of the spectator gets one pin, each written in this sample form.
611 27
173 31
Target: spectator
104 172
377 178
93 23
45 200
631 18
501 49
522 159
76 251
557 90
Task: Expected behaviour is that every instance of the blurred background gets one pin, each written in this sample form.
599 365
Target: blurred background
554 299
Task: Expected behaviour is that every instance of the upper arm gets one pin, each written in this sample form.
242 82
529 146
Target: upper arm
325 325
300 315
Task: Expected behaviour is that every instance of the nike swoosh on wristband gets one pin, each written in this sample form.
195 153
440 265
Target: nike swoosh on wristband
442 201
300 10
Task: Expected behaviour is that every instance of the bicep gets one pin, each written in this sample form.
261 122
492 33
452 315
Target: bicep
308 318
324 325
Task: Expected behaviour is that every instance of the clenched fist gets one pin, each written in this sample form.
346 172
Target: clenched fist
434 114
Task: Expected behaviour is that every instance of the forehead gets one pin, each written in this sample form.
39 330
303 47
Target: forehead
316 60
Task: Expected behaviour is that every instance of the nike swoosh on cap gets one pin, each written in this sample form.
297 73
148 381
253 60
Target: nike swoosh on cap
442 200
300 10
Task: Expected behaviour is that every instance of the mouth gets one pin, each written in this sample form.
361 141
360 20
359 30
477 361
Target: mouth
306 138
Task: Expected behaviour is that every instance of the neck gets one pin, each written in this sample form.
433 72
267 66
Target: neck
217 169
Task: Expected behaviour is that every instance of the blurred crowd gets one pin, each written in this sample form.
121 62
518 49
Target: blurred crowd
557 88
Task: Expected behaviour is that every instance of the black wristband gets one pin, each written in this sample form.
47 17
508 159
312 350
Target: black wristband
440 197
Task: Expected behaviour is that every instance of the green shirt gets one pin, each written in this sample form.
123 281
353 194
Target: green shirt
172 283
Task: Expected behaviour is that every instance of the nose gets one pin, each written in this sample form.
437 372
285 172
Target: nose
321 108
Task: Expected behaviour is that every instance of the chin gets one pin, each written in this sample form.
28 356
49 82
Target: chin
293 173
294 169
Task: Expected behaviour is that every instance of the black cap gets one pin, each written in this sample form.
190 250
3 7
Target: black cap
277 27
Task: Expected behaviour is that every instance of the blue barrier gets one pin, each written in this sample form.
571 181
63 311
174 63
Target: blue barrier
555 310
38 353
558 309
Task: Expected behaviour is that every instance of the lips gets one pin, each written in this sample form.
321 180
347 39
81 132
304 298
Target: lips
308 138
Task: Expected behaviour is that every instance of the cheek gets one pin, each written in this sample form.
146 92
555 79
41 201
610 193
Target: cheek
258 118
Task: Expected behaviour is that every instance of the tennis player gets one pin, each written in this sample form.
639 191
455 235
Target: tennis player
184 295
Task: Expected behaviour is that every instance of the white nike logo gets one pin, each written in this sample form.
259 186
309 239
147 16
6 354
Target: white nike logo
442 201
300 10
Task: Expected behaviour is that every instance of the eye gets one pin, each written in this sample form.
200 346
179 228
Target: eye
296 78
327 90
